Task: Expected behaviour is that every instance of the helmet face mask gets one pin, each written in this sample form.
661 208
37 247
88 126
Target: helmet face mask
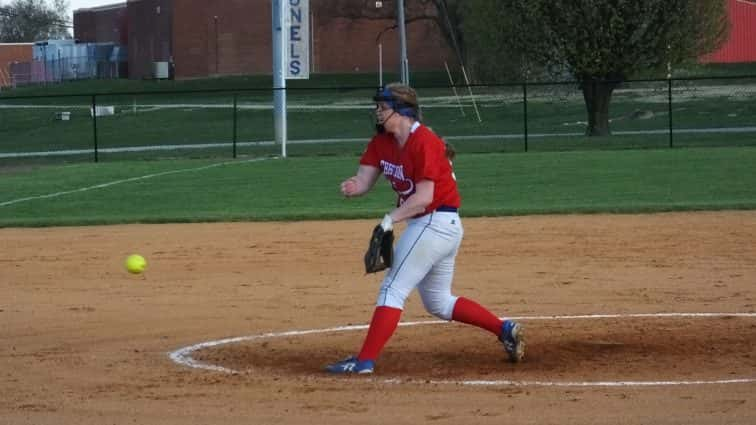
380 108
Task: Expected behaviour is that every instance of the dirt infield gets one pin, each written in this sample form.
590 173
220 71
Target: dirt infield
84 342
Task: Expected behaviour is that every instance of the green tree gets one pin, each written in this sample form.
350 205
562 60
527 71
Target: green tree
32 20
599 42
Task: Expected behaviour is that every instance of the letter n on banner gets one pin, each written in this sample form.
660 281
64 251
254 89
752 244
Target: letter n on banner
297 30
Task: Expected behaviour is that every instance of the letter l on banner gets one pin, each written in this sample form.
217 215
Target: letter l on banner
297 38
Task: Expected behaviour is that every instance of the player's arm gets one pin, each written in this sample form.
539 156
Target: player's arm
416 203
361 182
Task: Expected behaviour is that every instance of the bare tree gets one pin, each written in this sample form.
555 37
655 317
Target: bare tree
33 20
444 13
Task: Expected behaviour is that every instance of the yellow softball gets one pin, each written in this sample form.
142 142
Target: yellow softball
135 263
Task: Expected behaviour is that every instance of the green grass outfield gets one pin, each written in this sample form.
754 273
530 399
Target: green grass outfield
307 188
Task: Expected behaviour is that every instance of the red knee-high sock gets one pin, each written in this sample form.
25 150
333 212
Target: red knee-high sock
382 326
472 313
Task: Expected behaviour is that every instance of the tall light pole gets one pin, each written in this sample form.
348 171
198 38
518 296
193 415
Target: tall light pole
279 77
403 62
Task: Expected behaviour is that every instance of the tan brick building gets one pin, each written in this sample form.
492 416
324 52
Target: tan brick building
102 24
232 37
151 24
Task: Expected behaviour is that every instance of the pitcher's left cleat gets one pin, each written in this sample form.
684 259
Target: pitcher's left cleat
513 338
352 365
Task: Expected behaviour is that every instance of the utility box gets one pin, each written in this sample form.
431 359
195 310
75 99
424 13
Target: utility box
102 111
160 70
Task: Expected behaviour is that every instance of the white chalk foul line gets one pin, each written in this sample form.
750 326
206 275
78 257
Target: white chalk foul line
129 180
501 383
226 145
183 356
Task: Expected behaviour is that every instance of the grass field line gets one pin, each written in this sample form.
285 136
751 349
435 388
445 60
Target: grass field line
128 180
173 147
218 145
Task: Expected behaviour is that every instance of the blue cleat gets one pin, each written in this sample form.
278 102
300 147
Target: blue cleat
351 365
513 338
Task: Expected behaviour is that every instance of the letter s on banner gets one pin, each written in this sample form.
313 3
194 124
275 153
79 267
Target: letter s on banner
297 44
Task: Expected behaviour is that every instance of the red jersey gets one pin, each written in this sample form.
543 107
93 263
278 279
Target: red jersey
423 157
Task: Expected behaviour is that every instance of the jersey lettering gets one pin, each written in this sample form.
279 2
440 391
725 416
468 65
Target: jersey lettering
392 170
395 174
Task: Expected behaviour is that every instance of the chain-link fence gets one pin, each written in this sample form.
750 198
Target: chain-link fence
647 114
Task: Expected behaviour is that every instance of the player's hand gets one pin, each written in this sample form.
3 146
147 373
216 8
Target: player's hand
387 224
350 187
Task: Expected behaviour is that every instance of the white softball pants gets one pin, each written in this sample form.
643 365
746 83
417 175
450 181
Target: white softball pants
424 259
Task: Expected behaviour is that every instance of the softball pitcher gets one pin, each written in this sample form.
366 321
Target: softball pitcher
416 163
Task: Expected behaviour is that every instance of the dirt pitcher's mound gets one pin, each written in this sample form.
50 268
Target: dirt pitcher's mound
632 349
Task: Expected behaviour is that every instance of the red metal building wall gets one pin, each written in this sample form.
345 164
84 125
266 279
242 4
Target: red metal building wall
741 44
13 52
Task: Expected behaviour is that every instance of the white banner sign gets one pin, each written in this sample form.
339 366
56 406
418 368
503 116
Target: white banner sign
297 35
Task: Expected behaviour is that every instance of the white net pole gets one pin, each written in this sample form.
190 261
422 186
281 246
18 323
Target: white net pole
454 89
380 64
469 89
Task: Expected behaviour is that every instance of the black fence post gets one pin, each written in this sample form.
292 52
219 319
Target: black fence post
234 140
669 110
525 112
94 127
